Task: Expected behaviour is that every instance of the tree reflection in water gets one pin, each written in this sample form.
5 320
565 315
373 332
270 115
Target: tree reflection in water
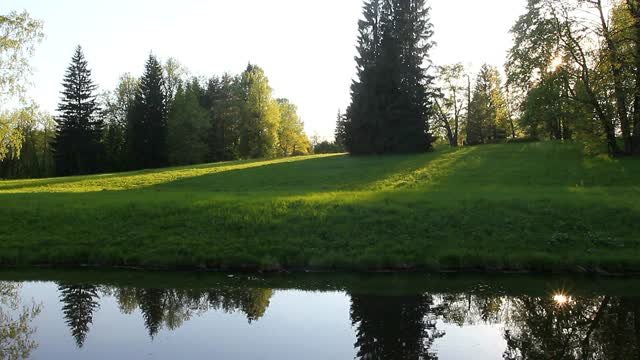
170 308
555 326
598 327
16 330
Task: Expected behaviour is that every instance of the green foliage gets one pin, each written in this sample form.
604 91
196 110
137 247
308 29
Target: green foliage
260 116
19 34
224 101
147 120
77 145
29 153
116 106
326 147
188 126
493 207
548 112
451 102
488 116
390 102
595 53
291 137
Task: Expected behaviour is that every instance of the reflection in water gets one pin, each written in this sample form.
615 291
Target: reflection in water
79 302
16 331
395 327
599 327
170 308
405 326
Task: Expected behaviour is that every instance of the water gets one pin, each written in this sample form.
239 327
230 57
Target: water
123 315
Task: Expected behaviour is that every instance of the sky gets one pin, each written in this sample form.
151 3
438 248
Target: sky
305 47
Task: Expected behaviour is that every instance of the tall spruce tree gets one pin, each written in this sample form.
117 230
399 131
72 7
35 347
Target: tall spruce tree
488 119
147 120
390 100
77 145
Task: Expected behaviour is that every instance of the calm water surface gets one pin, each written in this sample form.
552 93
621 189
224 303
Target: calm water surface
92 315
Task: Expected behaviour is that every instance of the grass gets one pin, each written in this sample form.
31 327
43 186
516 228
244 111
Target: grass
536 206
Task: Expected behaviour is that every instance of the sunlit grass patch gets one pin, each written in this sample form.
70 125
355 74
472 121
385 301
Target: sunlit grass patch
542 206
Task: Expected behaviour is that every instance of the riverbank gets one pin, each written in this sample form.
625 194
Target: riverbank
536 207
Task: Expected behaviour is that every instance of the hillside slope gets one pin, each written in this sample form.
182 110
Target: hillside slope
537 206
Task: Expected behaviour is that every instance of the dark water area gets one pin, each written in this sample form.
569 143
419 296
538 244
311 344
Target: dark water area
133 315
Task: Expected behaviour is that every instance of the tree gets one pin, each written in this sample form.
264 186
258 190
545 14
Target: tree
147 120
488 120
449 106
224 102
342 131
548 112
175 74
77 145
260 116
390 101
188 126
19 34
30 155
116 106
79 302
291 137
599 56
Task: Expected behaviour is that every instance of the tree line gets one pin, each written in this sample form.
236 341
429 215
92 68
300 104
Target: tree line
572 73
168 118
163 118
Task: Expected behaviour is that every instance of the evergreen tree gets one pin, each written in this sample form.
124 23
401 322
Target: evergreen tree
224 102
488 118
79 302
341 133
77 145
188 126
115 108
147 120
390 101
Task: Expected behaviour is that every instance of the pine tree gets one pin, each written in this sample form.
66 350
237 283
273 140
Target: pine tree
147 120
223 100
390 102
188 125
487 111
77 145
79 304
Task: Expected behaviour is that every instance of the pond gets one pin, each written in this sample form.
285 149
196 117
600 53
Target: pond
136 315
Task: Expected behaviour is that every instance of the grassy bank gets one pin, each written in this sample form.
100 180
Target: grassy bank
538 206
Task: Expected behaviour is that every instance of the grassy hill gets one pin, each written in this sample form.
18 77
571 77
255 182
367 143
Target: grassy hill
537 206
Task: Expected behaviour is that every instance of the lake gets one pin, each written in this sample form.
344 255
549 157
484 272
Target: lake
142 315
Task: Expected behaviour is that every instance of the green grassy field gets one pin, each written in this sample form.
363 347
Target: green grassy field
537 206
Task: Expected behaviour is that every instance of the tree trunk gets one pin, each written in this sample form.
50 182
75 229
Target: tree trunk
618 88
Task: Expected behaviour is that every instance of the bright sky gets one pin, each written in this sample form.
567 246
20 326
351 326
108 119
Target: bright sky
306 47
